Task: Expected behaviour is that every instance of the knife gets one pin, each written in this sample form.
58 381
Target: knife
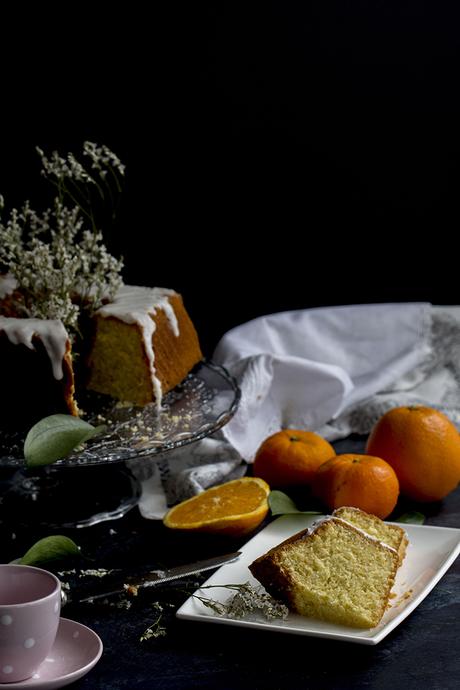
130 585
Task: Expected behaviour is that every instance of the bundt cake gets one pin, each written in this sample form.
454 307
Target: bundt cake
333 572
66 319
136 348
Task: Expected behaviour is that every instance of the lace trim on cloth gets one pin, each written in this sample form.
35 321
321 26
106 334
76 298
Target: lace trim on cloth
435 383
172 477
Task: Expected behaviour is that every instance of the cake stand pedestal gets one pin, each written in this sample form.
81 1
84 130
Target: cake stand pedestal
67 498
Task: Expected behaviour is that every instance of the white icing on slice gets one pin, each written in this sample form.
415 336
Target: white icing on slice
328 518
366 534
51 332
8 285
134 304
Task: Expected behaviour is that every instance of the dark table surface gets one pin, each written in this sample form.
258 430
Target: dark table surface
422 651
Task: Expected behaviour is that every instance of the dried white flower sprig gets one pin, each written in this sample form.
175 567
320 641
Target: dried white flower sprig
75 180
156 629
61 266
247 601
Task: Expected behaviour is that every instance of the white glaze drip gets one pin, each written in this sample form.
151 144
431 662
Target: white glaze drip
51 332
8 285
328 518
171 316
134 304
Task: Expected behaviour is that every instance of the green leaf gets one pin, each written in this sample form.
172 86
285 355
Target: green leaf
49 549
55 437
281 504
412 518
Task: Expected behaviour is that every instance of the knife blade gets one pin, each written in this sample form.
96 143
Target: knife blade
150 579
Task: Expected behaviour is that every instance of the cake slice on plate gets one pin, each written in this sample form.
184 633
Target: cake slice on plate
333 572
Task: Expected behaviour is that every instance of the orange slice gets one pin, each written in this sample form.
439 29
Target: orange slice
234 508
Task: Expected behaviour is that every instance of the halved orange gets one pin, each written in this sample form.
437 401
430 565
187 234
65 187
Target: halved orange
234 508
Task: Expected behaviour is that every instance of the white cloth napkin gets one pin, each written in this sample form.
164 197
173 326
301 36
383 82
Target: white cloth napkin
301 369
332 370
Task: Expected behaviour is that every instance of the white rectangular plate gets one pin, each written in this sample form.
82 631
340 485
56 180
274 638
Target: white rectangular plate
431 551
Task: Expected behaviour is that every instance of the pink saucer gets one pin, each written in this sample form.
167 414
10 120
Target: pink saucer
75 651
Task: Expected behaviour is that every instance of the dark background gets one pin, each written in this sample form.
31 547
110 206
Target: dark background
280 155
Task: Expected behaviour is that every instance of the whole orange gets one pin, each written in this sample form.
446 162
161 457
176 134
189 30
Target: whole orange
291 457
361 481
423 447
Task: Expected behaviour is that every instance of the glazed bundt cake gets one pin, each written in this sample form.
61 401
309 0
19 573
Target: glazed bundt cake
333 572
136 348
66 320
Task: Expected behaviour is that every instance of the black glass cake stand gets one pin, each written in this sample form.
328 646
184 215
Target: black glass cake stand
95 485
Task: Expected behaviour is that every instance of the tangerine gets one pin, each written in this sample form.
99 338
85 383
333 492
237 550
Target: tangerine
360 481
234 508
423 447
291 457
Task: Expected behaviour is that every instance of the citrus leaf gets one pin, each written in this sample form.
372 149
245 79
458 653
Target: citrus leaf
55 437
411 518
281 504
49 549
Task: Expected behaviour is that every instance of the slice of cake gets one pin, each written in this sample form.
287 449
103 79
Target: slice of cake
144 345
333 572
392 535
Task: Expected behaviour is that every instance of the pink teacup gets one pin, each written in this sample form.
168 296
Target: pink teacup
30 604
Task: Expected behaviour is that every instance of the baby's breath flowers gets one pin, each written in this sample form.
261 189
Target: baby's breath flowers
247 601
102 156
58 256
89 183
156 629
